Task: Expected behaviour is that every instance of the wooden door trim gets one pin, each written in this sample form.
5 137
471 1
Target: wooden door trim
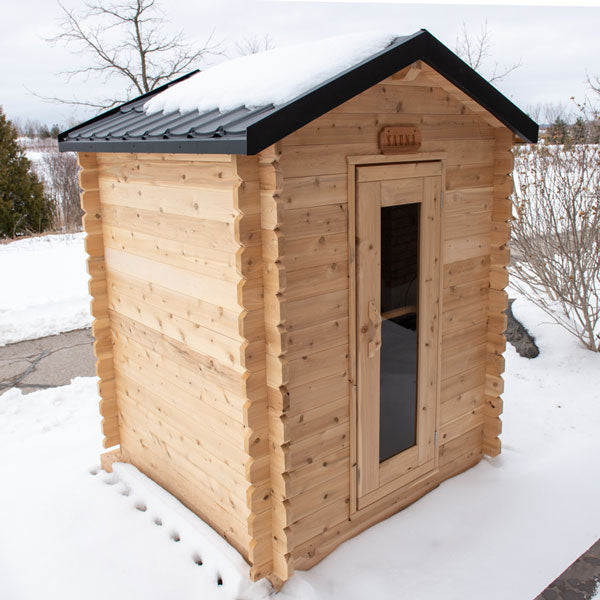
353 163
421 472
386 159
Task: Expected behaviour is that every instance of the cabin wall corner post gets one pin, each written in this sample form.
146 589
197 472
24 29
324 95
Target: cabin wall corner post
97 285
498 298
274 284
246 201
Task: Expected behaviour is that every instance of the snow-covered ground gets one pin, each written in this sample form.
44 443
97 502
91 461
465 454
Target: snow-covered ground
503 530
43 290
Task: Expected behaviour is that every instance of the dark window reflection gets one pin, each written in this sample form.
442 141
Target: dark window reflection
399 302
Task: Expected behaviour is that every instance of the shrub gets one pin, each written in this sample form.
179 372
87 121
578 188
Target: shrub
556 234
60 171
24 208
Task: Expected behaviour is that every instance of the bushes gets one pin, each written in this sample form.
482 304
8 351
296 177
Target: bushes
556 234
60 171
24 208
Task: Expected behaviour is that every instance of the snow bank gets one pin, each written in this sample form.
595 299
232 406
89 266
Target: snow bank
72 531
222 566
271 77
44 288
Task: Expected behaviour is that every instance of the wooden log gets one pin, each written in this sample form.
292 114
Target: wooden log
96 267
461 404
313 310
466 270
345 128
315 221
160 469
107 459
498 299
314 281
466 293
275 281
208 261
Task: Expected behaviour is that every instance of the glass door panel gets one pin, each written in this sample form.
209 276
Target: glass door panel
398 293
399 306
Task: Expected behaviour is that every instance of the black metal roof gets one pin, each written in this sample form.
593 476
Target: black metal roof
127 128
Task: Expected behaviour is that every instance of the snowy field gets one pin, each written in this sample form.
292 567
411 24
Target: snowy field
44 287
502 530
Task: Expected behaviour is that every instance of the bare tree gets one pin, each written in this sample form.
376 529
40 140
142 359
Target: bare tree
476 51
556 235
593 82
59 171
129 41
255 44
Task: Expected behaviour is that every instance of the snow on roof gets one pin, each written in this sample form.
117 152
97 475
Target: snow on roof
271 77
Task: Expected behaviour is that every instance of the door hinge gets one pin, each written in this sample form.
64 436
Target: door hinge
435 438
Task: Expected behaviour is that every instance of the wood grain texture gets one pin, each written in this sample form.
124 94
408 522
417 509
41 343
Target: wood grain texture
275 282
257 435
498 299
183 297
97 285
312 170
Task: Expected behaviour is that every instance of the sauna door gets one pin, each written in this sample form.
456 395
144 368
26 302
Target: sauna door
397 287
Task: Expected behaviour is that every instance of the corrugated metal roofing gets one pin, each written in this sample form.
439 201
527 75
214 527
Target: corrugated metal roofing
128 128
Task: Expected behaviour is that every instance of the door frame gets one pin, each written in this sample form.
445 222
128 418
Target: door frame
354 162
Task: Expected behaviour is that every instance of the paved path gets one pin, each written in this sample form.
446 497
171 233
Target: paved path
579 581
46 362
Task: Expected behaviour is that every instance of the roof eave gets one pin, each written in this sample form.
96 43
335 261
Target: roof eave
63 136
169 146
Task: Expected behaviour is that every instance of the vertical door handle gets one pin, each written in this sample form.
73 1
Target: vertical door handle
375 319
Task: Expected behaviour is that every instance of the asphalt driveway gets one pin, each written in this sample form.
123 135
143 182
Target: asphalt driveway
46 362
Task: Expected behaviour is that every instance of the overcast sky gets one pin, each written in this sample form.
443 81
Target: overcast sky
557 45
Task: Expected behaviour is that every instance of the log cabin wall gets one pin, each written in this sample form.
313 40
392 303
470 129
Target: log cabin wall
183 293
310 308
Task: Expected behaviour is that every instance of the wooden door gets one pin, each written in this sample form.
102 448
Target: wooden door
397 283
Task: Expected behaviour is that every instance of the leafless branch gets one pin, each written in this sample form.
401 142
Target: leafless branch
476 51
129 40
593 83
255 44
556 235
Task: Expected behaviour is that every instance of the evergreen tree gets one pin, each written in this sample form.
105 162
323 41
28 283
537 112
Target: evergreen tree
23 205
558 132
579 131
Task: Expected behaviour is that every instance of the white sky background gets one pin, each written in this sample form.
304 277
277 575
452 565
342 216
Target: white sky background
557 45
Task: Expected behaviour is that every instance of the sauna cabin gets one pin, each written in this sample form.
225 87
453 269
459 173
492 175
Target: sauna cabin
298 293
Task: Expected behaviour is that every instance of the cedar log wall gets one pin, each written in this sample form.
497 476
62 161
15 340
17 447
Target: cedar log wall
181 249
183 291
308 219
